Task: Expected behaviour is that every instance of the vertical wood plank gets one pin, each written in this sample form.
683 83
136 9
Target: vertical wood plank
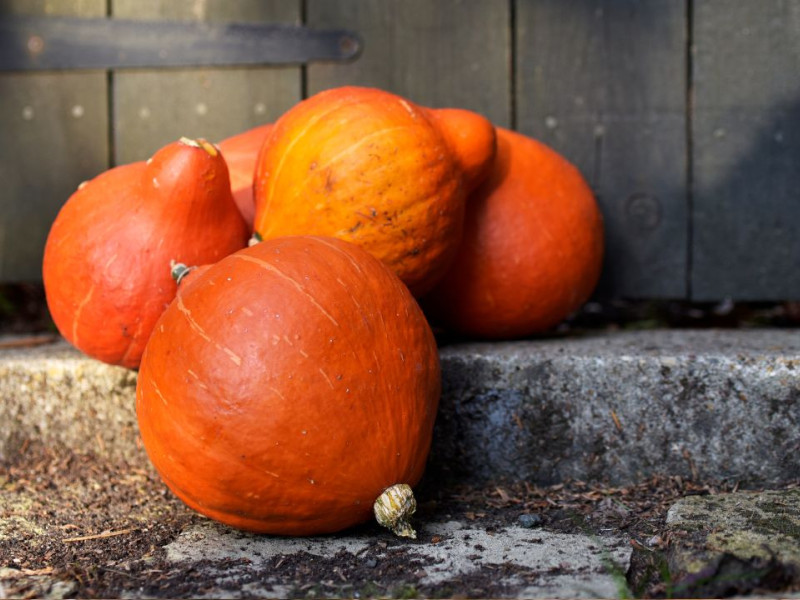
604 83
746 150
153 108
445 53
53 135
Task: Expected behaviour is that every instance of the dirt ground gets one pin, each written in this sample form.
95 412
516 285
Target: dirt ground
80 526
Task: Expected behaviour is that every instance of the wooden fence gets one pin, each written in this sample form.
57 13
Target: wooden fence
684 115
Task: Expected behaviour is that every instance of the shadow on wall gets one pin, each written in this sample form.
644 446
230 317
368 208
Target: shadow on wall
746 204
745 229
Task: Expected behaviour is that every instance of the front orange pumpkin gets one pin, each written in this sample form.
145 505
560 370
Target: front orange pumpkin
532 250
106 261
372 168
289 385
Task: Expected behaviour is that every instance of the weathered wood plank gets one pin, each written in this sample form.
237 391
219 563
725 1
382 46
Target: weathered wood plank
604 83
746 150
53 135
444 53
153 108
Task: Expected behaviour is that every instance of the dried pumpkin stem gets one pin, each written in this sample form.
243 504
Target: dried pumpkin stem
394 509
200 143
178 271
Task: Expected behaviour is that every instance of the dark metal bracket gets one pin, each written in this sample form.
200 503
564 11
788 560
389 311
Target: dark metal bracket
56 43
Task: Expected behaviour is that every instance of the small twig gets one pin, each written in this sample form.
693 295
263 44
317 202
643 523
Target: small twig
123 573
15 573
615 418
105 534
502 493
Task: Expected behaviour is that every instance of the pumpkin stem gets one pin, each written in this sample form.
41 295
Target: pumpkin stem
200 143
255 239
178 271
394 509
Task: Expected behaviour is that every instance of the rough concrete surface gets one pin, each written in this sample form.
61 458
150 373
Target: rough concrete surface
621 406
54 394
566 565
721 544
613 406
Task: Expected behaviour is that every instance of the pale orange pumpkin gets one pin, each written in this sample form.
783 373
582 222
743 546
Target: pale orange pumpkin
375 169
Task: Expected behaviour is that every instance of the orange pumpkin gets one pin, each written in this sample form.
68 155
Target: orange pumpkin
532 249
240 152
372 168
106 260
288 386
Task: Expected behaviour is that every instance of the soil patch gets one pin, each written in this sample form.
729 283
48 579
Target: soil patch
80 525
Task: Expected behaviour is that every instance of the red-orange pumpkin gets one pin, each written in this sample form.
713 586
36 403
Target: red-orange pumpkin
532 249
372 168
288 385
240 152
106 260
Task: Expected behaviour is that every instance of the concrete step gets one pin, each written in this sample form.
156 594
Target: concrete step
82 512
612 406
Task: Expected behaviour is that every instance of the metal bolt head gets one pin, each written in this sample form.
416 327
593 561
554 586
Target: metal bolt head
35 44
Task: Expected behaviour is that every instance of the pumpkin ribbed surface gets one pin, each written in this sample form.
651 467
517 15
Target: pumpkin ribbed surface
371 168
288 385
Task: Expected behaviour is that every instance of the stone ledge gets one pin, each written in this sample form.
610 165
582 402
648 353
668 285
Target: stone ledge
617 407
623 406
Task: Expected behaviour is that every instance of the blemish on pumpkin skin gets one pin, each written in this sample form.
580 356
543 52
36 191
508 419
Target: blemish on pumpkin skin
272 269
234 357
408 108
200 384
195 326
345 254
155 183
303 353
328 379
352 148
158 392
78 312
277 393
